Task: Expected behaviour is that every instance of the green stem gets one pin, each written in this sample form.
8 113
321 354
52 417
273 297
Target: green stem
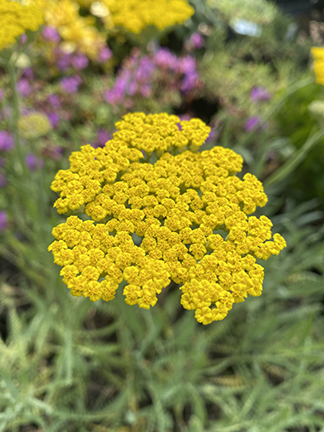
289 166
19 163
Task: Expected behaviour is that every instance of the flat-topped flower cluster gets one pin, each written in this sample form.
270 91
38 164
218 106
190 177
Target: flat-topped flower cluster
135 15
182 218
16 19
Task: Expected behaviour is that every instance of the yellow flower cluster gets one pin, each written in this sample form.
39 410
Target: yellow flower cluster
318 54
135 15
34 125
183 218
79 32
16 19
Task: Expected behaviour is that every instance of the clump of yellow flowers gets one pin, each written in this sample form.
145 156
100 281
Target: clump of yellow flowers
34 125
183 218
15 19
318 54
78 32
135 15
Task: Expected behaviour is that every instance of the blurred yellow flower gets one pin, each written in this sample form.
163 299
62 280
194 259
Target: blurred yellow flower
34 125
183 218
16 19
316 107
135 15
318 54
80 32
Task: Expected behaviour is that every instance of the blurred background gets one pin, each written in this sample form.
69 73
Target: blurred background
70 365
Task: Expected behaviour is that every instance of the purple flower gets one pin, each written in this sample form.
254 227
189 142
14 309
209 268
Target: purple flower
50 34
70 84
259 94
63 62
28 73
80 61
3 220
23 38
189 81
196 40
146 90
114 96
252 123
6 141
145 69
183 117
1 94
164 58
24 87
187 64
212 135
54 118
104 55
3 181
102 137
33 162
62 59
54 100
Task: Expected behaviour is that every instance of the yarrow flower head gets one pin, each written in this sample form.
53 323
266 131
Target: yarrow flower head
16 19
183 218
135 15
34 125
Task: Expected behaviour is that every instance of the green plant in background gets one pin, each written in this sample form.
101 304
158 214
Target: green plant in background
298 120
260 12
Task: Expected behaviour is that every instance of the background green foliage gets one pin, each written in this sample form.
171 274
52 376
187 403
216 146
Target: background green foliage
70 365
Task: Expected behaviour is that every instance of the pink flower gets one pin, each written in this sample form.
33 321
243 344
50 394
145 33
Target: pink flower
54 118
70 84
254 123
6 141
104 55
33 162
259 94
80 61
3 220
24 87
50 34
196 40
